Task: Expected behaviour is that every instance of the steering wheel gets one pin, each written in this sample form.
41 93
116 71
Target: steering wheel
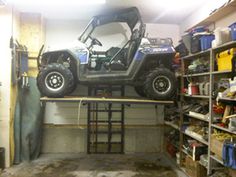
95 41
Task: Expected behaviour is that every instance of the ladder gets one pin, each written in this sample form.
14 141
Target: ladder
105 126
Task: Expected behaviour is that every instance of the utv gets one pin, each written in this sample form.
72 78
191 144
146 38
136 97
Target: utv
145 63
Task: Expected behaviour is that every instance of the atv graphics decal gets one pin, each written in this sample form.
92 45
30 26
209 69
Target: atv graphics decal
82 54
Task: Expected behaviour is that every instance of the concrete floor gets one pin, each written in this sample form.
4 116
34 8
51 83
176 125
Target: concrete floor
82 165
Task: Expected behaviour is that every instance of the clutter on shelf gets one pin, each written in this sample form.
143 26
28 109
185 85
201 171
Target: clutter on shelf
172 142
200 110
194 149
199 65
201 38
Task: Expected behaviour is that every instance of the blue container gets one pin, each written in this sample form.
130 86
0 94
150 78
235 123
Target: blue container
233 31
206 41
198 29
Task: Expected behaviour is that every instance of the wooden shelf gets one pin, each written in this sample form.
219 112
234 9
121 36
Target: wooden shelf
218 14
223 129
122 100
195 117
196 138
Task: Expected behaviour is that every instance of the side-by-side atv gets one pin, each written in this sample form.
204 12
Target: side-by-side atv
145 63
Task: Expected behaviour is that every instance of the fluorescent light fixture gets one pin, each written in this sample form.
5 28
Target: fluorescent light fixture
2 3
56 2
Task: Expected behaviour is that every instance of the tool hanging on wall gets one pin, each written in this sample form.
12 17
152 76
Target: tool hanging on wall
25 80
19 63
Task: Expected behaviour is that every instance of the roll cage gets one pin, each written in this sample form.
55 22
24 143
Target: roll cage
130 16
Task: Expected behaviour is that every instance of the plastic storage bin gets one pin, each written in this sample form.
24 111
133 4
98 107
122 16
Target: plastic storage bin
187 41
222 35
195 44
206 41
224 59
233 31
198 29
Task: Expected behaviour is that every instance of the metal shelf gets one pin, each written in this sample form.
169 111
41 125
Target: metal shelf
197 96
185 152
221 72
199 54
211 55
198 161
223 129
172 125
217 159
197 74
225 46
227 100
195 117
196 138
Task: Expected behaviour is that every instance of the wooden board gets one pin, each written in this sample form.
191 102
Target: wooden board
124 100
220 13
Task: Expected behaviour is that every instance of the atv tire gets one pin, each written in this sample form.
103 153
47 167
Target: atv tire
140 91
55 80
160 84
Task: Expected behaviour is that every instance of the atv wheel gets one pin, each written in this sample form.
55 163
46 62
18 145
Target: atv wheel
139 90
72 88
160 84
55 80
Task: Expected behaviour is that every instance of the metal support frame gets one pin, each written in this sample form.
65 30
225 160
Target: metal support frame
95 122
93 114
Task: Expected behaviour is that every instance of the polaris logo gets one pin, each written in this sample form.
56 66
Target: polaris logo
160 50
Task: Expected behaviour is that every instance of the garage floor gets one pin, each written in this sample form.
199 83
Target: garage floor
135 165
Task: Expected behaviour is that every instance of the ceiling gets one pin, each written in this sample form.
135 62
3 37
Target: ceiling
152 11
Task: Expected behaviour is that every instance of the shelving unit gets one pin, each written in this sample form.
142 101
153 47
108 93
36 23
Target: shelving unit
198 74
211 76
172 125
226 101
196 138
223 129
196 96
217 159
195 117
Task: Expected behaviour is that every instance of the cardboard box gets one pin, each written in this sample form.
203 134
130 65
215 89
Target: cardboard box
194 169
232 173
216 147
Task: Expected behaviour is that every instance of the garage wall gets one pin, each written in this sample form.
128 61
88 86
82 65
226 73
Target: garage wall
143 122
5 75
204 12
65 129
9 22
64 32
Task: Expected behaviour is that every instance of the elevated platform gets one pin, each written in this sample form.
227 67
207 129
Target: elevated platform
121 100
